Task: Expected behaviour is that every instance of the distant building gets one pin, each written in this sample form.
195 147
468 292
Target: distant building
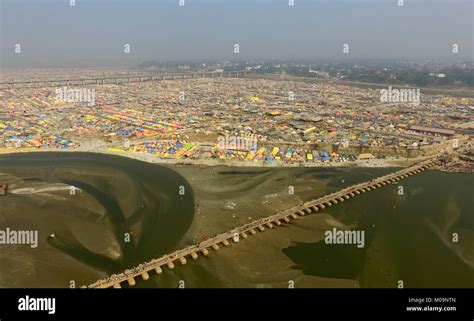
432 131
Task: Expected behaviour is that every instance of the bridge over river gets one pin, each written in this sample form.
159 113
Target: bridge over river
243 232
118 79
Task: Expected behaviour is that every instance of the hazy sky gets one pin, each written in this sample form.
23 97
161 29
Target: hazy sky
93 32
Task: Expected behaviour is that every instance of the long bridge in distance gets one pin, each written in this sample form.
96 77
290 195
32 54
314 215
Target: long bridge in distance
244 231
118 79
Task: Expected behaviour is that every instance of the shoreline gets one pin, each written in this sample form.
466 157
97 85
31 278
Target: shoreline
375 163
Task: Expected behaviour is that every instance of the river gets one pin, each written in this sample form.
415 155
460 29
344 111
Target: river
125 211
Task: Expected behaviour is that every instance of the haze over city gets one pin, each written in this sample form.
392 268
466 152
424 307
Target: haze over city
93 33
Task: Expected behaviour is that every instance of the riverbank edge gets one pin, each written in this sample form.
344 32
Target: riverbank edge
375 163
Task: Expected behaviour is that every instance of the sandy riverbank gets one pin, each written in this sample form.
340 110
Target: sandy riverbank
380 163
